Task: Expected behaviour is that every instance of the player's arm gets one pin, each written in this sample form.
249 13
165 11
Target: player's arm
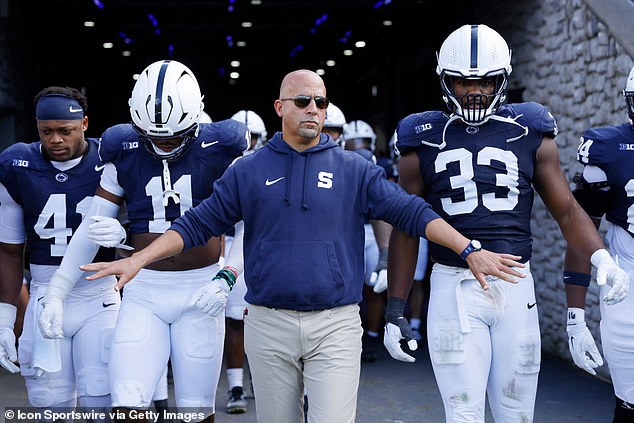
593 197
575 224
12 236
81 249
382 232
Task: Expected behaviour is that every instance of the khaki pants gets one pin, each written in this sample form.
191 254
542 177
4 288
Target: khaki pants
289 350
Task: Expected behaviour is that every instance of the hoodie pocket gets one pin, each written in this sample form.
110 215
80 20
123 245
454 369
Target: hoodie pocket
300 275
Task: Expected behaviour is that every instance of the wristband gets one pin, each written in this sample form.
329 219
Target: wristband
574 278
228 274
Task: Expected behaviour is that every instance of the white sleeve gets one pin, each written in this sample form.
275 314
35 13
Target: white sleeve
82 250
235 258
109 181
11 219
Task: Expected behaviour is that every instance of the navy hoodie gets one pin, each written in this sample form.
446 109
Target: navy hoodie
303 221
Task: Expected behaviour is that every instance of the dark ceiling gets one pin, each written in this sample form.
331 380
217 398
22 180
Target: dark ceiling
391 76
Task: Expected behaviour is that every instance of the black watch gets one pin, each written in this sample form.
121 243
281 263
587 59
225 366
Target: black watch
474 245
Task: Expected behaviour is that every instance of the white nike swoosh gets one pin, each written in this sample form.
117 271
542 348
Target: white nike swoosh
99 168
208 144
269 183
70 109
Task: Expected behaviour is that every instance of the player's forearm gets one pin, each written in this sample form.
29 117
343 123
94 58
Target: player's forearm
577 270
401 265
11 272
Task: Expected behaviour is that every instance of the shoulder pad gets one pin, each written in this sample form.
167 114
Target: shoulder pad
533 115
420 129
117 139
230 133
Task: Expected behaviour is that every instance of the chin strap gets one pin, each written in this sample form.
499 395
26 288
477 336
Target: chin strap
168 192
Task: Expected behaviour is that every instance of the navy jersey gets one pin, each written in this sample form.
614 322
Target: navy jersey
142 178
612 150
479 178
53 201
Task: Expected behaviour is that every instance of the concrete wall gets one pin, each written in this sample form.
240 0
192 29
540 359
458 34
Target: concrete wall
565 57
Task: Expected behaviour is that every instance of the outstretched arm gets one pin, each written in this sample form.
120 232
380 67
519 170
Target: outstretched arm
167 245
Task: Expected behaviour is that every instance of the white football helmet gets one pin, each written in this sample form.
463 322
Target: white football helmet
360 132
255 124
334 117
474 52
166 103
628 93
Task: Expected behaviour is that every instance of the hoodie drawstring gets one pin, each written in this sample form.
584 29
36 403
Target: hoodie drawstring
289 173
304 188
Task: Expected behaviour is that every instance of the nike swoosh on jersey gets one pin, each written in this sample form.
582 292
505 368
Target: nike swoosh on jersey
70 109
99 168
208 144
269 183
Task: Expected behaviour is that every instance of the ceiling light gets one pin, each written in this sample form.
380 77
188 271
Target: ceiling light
359 44
387 23
320 72
241 43
247 24
235 63
234 75
108 45
126 53
135 76
89 24
256 2
347 52
330 63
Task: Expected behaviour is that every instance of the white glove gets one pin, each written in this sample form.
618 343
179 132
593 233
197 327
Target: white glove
391 340
581 343
609 272
378 279
52 315
211 298
107 232
8 354
397 328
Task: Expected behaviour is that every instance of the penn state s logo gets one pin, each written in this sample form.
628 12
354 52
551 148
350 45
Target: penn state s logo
324 180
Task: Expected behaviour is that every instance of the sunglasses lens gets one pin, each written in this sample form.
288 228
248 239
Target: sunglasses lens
302 101
322 102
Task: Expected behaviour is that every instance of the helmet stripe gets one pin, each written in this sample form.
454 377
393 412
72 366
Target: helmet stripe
474 46
158 109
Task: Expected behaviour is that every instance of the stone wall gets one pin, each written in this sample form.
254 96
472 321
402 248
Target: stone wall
564 57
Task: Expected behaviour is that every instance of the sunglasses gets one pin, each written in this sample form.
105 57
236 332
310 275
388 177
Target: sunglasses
302 101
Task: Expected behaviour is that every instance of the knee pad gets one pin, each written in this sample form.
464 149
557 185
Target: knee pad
93 382
528 353
447 343
129 394
45 396
205 337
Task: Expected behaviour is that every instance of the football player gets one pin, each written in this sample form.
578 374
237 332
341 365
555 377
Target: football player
45 189
605 187
161 164
360 137
479 167
234 311
334 123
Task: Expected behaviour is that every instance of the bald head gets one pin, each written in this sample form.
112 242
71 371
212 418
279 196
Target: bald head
297 80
